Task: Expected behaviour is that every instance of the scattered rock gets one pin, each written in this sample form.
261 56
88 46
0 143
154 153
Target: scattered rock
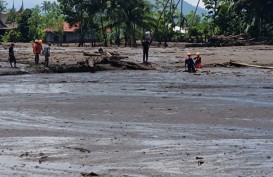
42 159
79 149
89 174
198 158
200 162
24 154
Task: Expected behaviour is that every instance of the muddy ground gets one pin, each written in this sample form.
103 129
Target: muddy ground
163 122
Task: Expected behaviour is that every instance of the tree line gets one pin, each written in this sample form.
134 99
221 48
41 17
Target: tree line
112 21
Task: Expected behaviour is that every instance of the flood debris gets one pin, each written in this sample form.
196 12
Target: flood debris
98 62
24 154
79 149
240 64
42 159
89 174
231 40
114 61
199 158
200 162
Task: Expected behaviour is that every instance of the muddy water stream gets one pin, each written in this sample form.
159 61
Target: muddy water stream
126 123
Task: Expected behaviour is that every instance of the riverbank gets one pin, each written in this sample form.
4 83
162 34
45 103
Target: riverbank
159 58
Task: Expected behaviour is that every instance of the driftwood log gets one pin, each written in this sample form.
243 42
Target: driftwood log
91 54
239 64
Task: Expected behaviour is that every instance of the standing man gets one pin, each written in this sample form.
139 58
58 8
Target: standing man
37 49
12 58
36 55
146 46
46 52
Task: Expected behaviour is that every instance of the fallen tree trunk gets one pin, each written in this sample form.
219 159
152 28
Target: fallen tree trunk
110 61
239 64
97 62
91 54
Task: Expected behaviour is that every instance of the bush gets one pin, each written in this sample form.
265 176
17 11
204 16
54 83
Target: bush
11 36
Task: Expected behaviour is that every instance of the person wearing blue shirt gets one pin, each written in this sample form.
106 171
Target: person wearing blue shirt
190 63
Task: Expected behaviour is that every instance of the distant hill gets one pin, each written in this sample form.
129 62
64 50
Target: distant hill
187 8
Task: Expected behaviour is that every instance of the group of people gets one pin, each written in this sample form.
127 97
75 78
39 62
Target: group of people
37 50
193 64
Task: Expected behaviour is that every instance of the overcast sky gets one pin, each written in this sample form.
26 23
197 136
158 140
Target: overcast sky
32 3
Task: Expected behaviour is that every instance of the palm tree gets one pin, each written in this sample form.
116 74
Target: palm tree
46 5
133 17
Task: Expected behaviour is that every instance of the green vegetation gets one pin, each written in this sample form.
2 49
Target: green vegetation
33 22
128 20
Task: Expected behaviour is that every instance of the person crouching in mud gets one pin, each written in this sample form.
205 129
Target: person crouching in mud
12 58
189 63
198 61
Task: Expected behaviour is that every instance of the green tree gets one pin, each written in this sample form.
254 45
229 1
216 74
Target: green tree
46 6
133 16
34 22
258 16
75 12
212 6
54 20
11 36
193 25
168 15
24 26
3 5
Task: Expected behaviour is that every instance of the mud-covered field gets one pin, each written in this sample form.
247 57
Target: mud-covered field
163 122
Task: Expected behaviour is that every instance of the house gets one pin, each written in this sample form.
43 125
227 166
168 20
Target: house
70 34
4 16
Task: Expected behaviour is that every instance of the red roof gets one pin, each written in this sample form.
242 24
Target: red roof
67 28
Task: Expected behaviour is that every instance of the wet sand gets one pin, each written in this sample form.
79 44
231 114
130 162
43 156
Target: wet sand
217 122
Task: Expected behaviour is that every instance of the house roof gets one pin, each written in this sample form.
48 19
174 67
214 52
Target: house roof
4 17
68 28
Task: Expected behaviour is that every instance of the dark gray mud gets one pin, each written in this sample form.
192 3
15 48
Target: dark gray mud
126 123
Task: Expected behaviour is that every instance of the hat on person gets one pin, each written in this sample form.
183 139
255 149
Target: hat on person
188 54
36 40
197 53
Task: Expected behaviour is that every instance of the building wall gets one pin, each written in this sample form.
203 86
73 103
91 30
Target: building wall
67 37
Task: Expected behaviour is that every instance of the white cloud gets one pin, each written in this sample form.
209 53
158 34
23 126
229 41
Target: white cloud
194 3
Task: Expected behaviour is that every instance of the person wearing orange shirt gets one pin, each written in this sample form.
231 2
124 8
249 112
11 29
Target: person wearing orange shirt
197 59
37 49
